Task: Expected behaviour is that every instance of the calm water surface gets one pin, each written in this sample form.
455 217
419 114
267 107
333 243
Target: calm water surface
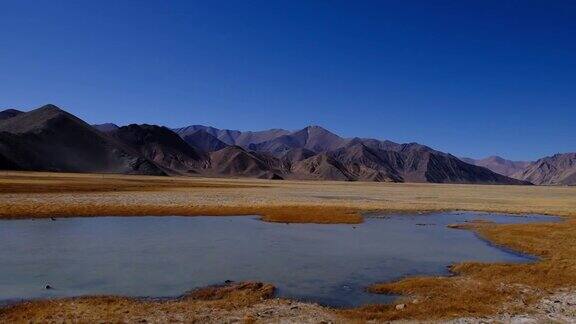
166 256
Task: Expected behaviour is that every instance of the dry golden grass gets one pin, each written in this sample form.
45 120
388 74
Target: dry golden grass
199 306
476 289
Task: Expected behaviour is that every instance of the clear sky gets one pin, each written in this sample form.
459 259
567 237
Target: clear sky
473 78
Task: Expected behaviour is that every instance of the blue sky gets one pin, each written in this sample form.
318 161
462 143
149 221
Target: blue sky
473 78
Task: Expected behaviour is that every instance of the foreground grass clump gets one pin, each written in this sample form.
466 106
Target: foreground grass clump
196 306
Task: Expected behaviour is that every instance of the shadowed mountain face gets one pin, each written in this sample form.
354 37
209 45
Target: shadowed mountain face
233 137
316 153
559 169
321 167
9 113
204 141
163 146
499 165
49 139
235 161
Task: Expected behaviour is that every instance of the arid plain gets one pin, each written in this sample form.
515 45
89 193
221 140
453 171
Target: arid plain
476 290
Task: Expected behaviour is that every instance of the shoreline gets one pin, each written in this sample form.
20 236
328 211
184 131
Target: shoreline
476 290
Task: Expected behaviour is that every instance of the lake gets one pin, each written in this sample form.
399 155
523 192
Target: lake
166 256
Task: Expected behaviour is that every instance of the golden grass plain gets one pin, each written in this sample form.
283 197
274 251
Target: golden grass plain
476 289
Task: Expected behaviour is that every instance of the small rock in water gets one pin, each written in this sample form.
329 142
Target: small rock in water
228 282
400 306
47 287
52 218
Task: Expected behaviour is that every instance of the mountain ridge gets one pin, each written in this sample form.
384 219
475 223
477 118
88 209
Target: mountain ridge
50 139
309 153
499 164
557 169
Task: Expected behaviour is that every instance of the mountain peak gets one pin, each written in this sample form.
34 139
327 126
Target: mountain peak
495 158
9 113
316 128
50 107
106 127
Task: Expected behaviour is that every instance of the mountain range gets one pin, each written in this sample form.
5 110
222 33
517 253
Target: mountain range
50 139
559 169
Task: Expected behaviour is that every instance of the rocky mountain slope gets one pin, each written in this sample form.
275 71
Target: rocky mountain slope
233 137
161 145
559 169
50 139
204 141
316 153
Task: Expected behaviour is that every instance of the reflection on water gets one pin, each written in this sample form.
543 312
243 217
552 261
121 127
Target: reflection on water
165 256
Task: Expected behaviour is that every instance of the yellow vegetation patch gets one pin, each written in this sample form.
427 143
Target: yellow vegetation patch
200 305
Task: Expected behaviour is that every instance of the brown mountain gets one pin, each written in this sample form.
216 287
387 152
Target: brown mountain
499 165
204 141
290 157
559 169
9 113
321 167
50 139
234 137
367 164
163 146
235 161
313 138
413 162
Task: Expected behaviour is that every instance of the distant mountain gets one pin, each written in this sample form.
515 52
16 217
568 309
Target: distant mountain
369 164
233 137
163 146
559 169
9 113
316 153
234 161
204 141
50 139
290 157
499 165
313 138
321 167
106 128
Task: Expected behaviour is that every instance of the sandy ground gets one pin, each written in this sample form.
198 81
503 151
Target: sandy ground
541 291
